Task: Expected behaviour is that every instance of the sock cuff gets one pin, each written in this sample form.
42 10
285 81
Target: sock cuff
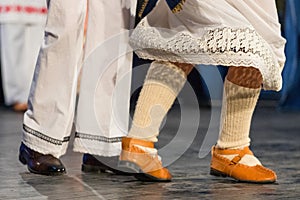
234 91
166 74
238 106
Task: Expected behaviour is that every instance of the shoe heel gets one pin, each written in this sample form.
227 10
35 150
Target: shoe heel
128 167
214 172
22 160
91 168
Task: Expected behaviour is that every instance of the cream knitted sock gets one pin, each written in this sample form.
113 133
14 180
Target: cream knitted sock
163 82
238 107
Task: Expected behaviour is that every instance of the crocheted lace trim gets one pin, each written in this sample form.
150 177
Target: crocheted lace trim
219 46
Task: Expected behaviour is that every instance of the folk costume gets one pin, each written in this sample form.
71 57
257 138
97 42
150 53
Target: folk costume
243 35
48 121
21 33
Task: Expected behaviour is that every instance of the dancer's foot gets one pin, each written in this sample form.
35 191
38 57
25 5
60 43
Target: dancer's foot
140 157
39 163
238 168
20 107
101 164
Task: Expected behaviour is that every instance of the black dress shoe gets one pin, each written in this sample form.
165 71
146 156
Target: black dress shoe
39 163
97 164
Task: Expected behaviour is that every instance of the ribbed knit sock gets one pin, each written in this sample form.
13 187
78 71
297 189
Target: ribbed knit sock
237 110
163 82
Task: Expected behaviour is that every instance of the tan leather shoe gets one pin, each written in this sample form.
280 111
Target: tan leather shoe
20 107
144 165
221 166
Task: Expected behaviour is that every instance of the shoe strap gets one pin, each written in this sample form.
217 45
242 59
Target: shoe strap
240 153
128 142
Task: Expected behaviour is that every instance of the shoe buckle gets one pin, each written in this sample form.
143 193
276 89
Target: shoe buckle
235 160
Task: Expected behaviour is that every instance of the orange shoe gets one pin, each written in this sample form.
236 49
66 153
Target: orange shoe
221 166
20 107
144 165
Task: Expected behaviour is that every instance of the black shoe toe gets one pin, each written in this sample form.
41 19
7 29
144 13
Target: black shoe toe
39 163
91 163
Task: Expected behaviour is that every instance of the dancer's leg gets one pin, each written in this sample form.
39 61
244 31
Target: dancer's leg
49 118
163 82
232 156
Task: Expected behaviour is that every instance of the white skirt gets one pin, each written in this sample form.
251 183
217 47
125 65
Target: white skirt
220 32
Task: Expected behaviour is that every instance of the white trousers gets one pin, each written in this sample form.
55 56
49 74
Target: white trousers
52 102
20 44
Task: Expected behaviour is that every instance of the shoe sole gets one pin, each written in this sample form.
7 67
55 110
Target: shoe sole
138 173
217 173
97 169
24 162
93 169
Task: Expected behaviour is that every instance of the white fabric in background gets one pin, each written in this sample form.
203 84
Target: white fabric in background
20 45
22 25
23 11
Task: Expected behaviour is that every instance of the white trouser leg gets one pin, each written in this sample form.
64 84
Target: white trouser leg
49 119
103 107
20 44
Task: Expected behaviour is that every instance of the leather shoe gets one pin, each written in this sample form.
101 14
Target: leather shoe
144 165
20 107
39 163
101 164
221 166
